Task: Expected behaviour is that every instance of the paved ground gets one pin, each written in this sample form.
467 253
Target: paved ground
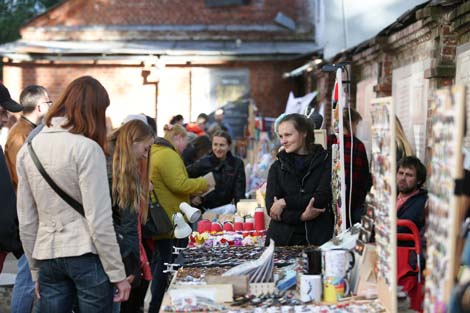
10 265
7 279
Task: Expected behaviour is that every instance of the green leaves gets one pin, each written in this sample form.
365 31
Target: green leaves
15 13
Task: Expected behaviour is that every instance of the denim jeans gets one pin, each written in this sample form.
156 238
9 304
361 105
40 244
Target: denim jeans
163 249
23 292
116 307
163 254
80 280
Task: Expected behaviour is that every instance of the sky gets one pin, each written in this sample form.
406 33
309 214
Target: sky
364 19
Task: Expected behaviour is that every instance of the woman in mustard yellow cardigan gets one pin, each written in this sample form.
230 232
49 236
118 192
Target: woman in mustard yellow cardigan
172 186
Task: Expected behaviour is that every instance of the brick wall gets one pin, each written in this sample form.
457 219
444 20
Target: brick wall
458 18
268 88
323 83
431 37
124 84
130 95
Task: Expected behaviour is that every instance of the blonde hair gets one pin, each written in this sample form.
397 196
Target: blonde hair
174 130
127 190
402 142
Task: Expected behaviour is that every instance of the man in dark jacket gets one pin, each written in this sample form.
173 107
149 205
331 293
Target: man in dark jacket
411 204
412 198
9 237
229 175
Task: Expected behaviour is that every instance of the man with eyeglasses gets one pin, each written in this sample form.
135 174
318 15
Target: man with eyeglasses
36 103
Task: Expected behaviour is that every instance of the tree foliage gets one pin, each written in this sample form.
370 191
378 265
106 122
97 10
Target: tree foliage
14 13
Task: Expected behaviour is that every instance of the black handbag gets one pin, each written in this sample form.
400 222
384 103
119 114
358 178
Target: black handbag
158 222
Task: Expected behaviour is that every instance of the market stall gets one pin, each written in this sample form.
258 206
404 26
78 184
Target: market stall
229 267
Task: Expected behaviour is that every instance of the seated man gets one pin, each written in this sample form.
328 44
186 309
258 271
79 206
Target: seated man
411 205
411 198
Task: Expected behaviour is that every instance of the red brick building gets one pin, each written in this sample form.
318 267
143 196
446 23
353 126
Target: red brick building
163 57
425 49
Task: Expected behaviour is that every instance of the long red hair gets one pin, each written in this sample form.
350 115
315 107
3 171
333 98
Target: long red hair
84 104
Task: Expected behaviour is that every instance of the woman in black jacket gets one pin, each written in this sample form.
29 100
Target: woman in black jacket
127 146
298 194
228 170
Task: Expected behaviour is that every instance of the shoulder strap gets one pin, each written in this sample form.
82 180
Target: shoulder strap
70 201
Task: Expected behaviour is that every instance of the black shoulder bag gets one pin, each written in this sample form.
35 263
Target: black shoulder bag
158 222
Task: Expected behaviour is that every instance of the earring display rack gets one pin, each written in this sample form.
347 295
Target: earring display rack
338 184
445 166
383 195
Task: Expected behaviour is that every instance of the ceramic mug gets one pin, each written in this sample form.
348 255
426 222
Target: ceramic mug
310 288
312 258
335 288
337 262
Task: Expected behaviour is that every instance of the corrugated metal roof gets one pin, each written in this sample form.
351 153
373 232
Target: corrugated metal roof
38 49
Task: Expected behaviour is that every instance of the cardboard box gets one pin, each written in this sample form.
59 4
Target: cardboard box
209 216
239 283
225 218
246 207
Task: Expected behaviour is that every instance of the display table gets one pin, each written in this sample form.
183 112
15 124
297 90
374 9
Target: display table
199 287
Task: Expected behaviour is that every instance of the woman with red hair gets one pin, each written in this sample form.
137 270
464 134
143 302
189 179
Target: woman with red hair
74 258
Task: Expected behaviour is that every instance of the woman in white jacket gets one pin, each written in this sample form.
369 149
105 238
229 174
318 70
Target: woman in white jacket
74 259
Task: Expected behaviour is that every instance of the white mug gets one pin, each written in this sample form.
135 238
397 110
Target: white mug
337 262
310 288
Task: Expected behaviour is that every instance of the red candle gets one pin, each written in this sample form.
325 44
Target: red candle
216 227
238 224
259 219
228 226
203 226
248 226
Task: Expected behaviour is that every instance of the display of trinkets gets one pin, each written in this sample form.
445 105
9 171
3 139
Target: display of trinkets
383 197
224 238
232 255
275 303
194 304
445 166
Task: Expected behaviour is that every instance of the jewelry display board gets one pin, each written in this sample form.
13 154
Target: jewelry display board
443 220
338 184
383 198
